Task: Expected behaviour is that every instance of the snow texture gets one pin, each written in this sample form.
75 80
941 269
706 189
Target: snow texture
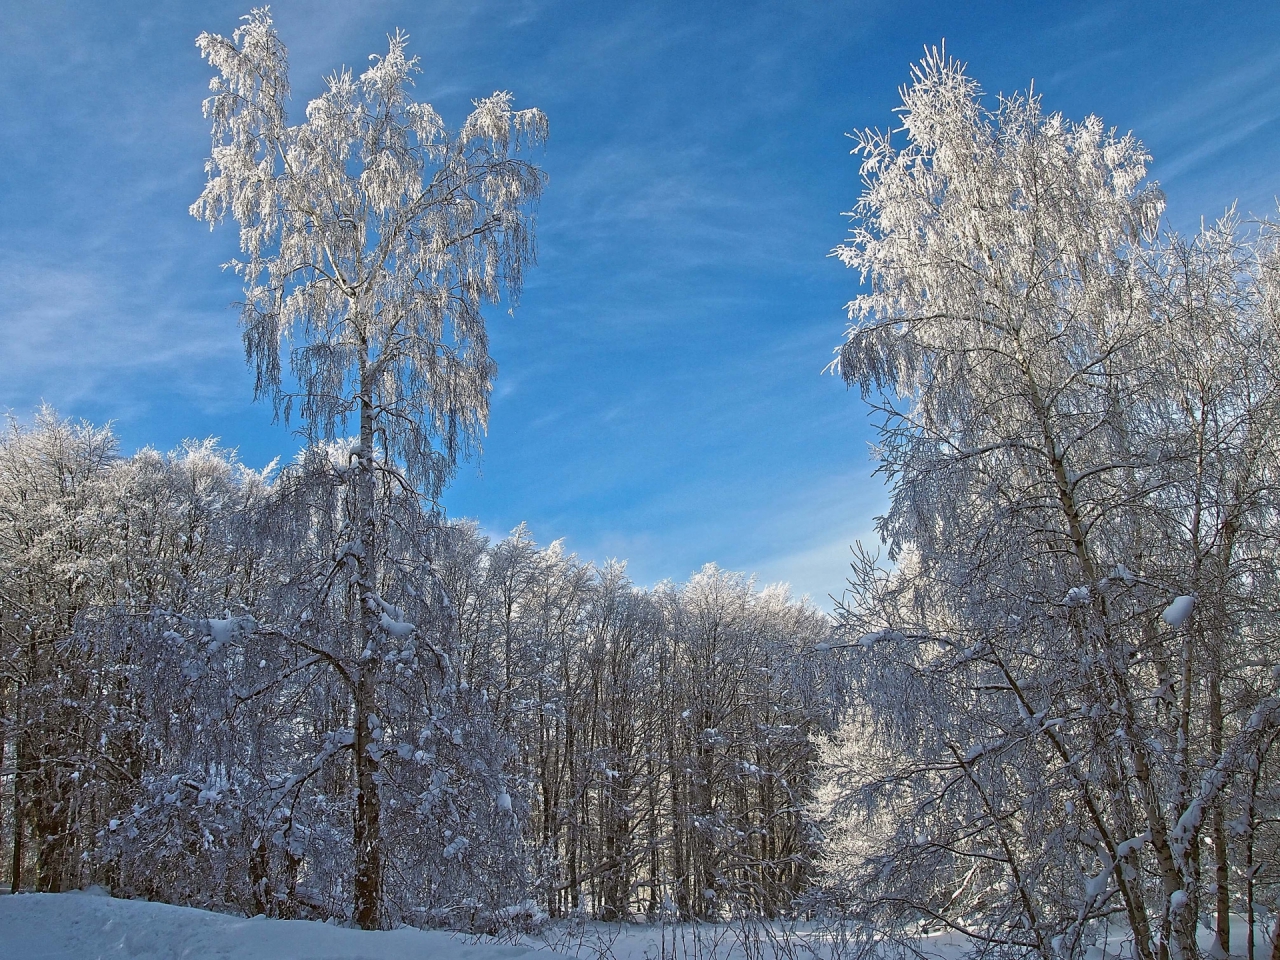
397 628
75 926
1176 613
1077 597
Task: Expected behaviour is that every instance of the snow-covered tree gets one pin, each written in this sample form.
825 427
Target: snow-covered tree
1062 679
372 237
56 553
91 545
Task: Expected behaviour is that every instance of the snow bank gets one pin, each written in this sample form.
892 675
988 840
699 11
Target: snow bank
78 926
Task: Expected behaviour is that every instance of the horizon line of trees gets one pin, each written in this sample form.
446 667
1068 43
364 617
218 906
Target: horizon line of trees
554 738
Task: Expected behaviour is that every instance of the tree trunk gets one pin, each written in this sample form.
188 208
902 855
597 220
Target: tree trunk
367 906
260 877
366 835
1221 877
15 873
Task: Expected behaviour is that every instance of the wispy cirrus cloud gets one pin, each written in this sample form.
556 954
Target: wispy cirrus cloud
79 339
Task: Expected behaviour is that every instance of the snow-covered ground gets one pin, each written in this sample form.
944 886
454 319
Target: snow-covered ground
88 926
70 926
85 926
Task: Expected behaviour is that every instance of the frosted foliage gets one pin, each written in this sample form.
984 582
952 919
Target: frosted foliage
1077 416
90 546
1176 614
666 730
371 239
1004 225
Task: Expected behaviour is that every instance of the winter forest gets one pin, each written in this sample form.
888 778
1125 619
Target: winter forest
1044 716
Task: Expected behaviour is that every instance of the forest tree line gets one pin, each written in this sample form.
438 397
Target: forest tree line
174 730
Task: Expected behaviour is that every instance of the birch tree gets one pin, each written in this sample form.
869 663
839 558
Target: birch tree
372 237
1061 678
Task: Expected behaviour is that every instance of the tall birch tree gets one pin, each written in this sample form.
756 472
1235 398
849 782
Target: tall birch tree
371 239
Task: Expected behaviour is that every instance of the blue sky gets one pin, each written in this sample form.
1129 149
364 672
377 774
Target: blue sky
660 396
